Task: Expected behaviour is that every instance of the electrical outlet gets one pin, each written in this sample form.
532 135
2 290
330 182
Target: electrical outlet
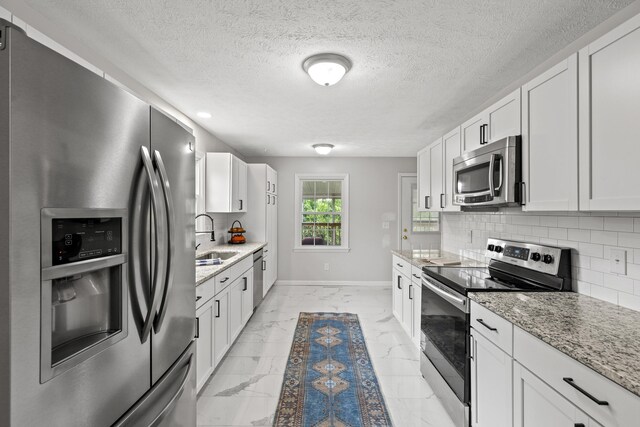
385 225
618 261
326 266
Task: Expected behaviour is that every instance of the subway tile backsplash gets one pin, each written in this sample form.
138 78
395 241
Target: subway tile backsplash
591 236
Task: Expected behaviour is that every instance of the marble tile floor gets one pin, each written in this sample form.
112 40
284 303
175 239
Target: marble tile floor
245 388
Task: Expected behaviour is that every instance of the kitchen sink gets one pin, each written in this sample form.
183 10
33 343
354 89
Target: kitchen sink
221 255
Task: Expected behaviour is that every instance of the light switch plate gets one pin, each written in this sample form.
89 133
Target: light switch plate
618 261
385 225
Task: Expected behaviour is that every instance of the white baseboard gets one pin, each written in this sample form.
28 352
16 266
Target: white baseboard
369 283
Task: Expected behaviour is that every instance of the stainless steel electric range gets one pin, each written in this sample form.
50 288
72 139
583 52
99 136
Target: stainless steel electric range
445 333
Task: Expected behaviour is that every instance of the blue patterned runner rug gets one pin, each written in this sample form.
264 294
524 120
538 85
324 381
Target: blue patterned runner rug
329 380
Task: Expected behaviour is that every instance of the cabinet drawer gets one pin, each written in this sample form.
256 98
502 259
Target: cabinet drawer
493 327
224 279
416 275
402 266
553 367
204 292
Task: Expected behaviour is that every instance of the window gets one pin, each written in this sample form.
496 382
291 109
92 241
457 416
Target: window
322 215
422 222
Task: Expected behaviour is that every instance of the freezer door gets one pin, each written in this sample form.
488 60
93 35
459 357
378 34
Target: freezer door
172 400
73 141
174 160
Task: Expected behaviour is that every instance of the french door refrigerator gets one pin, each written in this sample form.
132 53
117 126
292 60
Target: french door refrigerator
97 295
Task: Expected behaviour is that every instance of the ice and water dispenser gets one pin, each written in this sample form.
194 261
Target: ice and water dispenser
83 293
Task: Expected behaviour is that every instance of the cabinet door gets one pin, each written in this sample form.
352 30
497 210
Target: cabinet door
272 181
238 185
415 297
451 148
247 296
235 308
504 117
550 139
407 319
491 384
273 240
397 295
436 202
205 362
609 74
536 404
471 132
221 341
424 186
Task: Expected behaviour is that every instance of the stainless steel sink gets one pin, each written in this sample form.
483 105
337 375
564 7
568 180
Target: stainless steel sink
221 255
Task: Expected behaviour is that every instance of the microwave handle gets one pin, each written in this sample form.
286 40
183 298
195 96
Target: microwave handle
492 165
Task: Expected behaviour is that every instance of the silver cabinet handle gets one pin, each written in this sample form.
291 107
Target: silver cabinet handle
168 199
217 308
274 200
426 202
274 187
159 266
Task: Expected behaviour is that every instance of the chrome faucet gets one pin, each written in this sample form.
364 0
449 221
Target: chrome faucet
213 230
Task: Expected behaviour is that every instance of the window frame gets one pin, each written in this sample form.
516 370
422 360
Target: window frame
344 177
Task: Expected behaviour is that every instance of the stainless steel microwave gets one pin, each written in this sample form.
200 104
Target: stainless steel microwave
489 176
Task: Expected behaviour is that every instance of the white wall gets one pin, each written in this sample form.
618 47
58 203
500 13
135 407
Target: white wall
373 194
590 235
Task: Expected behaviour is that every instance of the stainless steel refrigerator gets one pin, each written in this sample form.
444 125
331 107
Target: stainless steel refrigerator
97 295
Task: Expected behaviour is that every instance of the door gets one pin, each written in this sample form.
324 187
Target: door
435 177
235 308
418 230
536 404
504 117
397 295
424 186
247 296
82 151
550 125
175 321
609 126
451 147
473 132
491 384
204 344
221 340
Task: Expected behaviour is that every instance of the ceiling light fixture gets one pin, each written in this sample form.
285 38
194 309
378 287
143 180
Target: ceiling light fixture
323 149
204 115
326 69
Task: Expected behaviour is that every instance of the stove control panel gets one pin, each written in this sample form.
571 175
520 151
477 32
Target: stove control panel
536 257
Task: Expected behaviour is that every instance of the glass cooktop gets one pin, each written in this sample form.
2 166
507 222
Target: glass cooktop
470 279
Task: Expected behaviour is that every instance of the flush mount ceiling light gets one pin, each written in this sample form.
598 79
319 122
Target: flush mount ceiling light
326 69
323 149
204 115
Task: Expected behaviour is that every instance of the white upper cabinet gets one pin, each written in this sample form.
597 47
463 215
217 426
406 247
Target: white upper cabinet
436 199
609 71
451 147
272 180
550 139
226 183
500 120
424 184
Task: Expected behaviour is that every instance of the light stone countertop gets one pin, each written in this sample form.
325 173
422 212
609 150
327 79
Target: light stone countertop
603 336
206 272
419 258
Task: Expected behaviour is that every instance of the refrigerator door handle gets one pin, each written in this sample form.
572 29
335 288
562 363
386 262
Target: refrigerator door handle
168 200
159 265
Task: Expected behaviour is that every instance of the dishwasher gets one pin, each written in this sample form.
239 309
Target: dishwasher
258 279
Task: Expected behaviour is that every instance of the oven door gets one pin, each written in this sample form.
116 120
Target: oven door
444 334
480 180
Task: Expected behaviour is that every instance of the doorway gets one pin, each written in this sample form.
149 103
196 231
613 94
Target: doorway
417 230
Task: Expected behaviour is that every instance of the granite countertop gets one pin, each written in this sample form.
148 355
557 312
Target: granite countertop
598 334
206 272
420 258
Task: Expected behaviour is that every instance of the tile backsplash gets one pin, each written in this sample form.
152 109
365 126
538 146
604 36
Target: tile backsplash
221 222
590 235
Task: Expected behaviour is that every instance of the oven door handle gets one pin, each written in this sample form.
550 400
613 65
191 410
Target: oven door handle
445 294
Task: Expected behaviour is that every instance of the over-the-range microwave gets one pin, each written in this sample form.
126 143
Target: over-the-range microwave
489 176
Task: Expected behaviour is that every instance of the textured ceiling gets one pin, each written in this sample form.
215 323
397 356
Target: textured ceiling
419 66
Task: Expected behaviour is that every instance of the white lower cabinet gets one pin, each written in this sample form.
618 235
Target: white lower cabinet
235 308
204 344
406 298
491 384
221 341
247 296
536 404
